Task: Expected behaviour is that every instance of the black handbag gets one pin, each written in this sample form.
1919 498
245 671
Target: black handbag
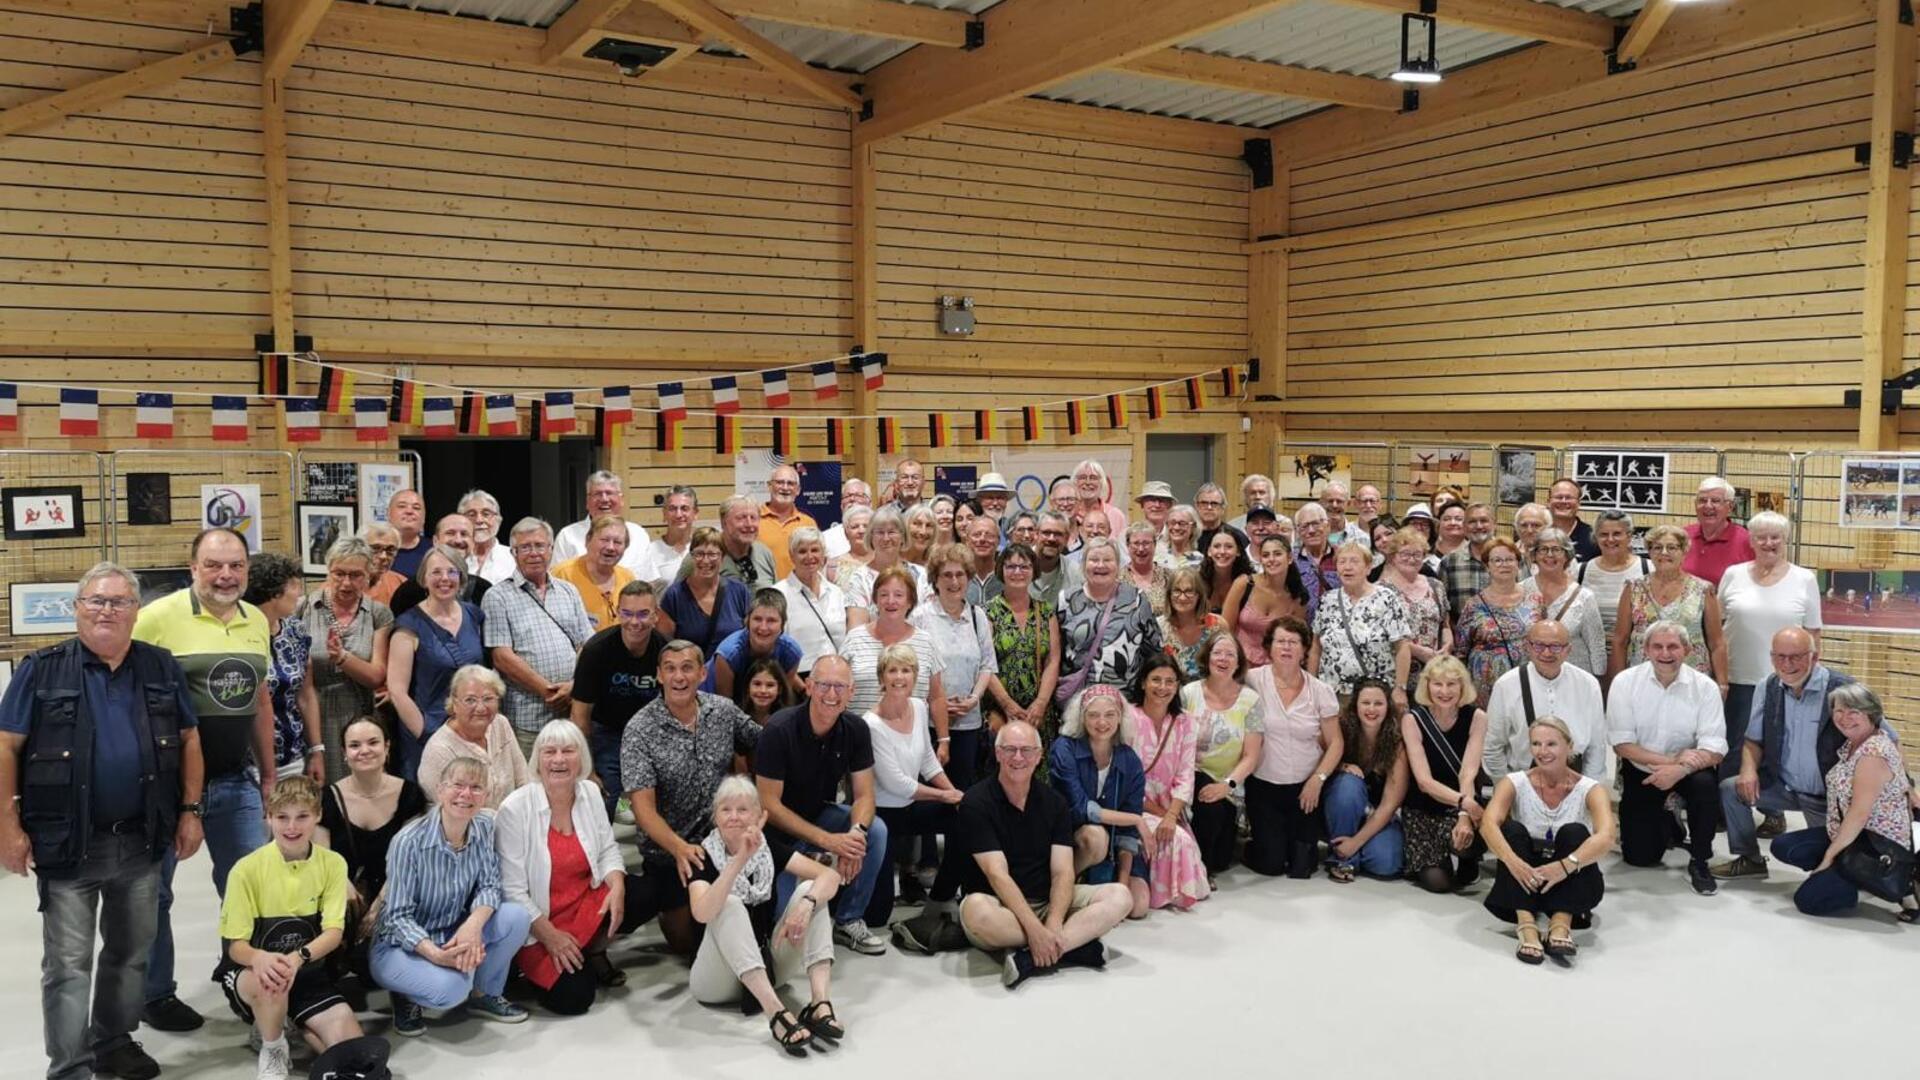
1875 864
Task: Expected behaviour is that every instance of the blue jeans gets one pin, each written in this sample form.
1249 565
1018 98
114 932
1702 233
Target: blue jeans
115 891
605 747
1743 837
1344 801
426 983
851 903
236 824
1824 893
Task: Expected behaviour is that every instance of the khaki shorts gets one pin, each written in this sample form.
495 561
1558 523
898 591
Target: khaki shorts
1083 895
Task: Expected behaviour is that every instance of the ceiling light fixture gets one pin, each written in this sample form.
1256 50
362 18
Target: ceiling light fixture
1418 63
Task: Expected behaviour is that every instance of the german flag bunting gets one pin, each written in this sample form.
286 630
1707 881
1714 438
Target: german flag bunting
336 391
939 431
669 433
889 434
985 425
1033 423
836 436
1117 410
404 405
473 414
1230 379
782 437
726 435
275 376
1156 402
1196 393
1076 417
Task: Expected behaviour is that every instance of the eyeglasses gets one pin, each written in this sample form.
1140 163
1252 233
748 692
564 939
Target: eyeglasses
532 548
115 604
637 616
384 549
480 513
829 687
1549 646
467 789
1791 657
1020 751
472 701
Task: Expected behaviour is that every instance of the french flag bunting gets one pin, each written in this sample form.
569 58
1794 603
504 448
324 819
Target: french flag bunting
370 419
153 416
774 383
303 419
230 419
9 407
438 418
726 396
826 383
873 369
79 412
673 401
503 417
616 405
557 412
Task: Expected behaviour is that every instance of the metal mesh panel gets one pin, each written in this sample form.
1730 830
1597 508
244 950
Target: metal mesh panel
142 541
62 560
307 461
1870 577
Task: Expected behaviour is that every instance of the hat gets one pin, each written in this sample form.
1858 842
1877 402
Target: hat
1264 513
1155 489
1419 510
992 484
364 1058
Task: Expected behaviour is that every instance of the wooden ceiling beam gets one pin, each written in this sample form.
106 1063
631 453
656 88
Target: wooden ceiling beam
289 25
1530 19
1030 45
878 18
1645 27
579 27
1205 69
703 16
51 109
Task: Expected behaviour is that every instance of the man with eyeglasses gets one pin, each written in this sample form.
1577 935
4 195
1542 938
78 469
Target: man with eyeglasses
1546 685
1791 744
112 726
1366 509
742 556
535 625
617 675
488 559
779 517
1054 575
805 754
606 496
224 645
855 492
679 506
1464 570
909 479
1018 885
1714 540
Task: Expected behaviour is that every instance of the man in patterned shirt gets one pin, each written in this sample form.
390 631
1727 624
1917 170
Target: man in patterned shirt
673 755
1463 572
535 625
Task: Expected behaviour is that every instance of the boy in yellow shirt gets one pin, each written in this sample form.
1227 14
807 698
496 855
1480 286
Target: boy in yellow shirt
285 909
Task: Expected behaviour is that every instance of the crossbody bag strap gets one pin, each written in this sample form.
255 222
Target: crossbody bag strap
831 640
1431 731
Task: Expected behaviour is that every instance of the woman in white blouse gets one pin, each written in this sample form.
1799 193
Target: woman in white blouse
1759 599
911 791
963 638
559 861
1609 574
816 607
1557 596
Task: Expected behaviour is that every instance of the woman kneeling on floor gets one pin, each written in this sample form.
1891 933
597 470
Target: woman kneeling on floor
732 896
1548 827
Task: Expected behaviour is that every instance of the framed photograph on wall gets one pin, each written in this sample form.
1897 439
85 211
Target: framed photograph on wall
320 526
378 482
40 608
149 498
232 506
44 513
335 482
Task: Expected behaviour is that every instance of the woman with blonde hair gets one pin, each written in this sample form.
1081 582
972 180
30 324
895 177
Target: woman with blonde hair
1547 827
1670 594
1443 731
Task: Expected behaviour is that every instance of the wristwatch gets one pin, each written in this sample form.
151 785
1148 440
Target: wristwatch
306 955
1232 784
1575 860
191 808
1320 776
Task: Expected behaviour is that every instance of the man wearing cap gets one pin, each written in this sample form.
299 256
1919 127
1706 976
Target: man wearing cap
1262 522
993 493
1156 502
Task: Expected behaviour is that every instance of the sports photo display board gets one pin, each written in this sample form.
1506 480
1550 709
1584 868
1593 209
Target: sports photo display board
1611 480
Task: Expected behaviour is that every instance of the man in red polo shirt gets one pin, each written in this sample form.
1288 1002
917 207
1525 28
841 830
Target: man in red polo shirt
1715 542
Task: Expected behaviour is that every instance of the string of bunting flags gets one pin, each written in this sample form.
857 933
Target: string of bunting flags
377 403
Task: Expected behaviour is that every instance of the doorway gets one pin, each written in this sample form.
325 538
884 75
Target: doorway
1183 461
542 479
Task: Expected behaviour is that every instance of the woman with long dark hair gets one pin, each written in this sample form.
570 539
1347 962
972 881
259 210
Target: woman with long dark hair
1363 797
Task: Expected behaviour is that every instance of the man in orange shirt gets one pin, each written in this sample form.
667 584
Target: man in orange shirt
779 517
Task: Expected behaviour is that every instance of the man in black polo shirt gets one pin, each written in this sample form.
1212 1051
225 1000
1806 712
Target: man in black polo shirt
1021 896
617 673
803 755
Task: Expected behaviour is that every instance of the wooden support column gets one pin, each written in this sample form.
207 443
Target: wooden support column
1889 199
273 132
863 452
1267 219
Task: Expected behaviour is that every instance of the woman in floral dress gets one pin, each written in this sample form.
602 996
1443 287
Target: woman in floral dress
1492 632
1026 642
1166 740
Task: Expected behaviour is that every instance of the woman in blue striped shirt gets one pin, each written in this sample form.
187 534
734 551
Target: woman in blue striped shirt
446 935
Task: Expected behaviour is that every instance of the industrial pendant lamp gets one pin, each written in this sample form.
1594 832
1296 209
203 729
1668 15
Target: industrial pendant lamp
1418 63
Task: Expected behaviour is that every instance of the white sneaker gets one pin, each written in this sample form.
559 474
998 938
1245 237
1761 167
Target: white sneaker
859 937
276 1061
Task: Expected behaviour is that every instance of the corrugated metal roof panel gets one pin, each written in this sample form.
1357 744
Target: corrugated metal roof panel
522 12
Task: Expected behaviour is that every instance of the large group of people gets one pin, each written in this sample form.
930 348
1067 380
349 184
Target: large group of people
1030 726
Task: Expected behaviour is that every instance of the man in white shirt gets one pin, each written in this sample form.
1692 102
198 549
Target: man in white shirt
1552 687
488 558
1666 722
605 495
668 550
855 492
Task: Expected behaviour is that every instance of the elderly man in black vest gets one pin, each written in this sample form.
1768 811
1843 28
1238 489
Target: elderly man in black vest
100 774
1791 743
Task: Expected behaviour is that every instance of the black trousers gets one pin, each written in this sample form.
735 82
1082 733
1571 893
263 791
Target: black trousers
1284 838
1644 820
1578 895
923 819
1216 825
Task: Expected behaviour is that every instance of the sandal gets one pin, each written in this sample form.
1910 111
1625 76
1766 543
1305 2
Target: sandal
604 972
1341 874
820 1020
1561 947
789 1034
1530 952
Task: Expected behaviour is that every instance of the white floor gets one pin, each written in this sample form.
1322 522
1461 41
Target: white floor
1376 977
